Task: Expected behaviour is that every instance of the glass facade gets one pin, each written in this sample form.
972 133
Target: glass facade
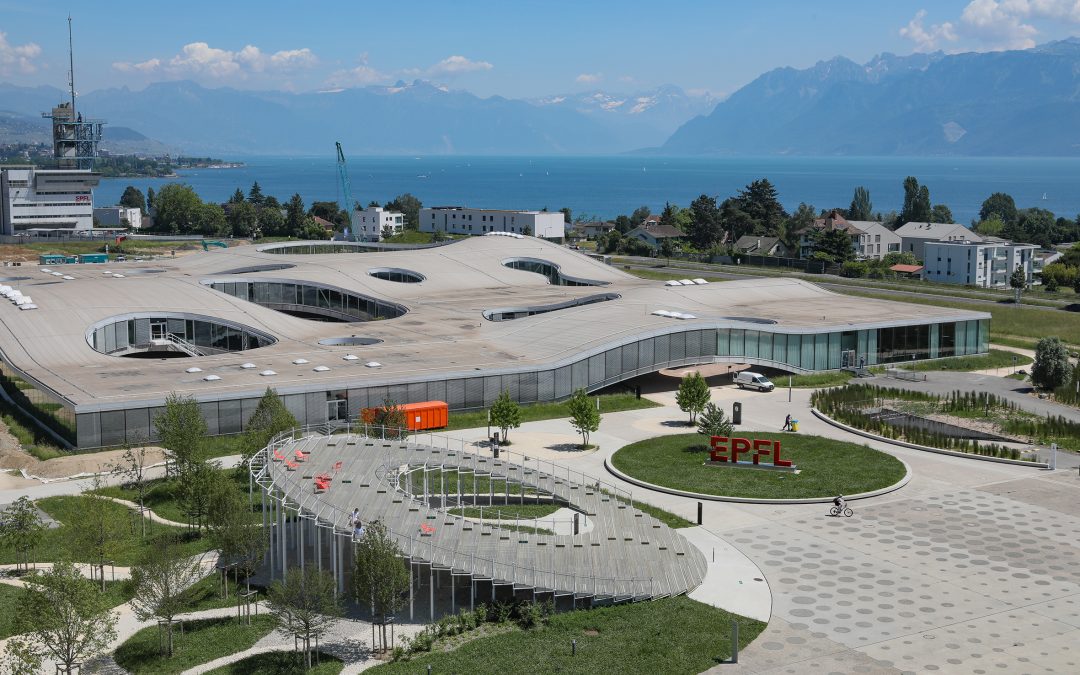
50 410
310 298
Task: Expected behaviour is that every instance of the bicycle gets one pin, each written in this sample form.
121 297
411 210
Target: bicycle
835 511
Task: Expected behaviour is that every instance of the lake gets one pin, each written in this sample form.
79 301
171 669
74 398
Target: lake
607 186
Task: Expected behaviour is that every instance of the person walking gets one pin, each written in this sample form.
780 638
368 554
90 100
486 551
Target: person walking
787 423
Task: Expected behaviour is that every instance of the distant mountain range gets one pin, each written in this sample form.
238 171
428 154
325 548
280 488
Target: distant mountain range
20 128
406 118
998 103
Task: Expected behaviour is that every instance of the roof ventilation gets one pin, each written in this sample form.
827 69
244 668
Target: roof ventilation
300 362
211 378
350 357
247 365
320 369
267 373
373 364
193 369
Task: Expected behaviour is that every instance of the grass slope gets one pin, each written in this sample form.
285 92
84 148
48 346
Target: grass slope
201 642
827 467
674 635
280 663
56 542
547 411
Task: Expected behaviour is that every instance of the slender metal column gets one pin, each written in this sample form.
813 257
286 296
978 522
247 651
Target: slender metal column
431 588
284 538
453 593
301 523
267 520
333 560
412 585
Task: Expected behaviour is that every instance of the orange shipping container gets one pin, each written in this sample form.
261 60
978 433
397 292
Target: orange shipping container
426 415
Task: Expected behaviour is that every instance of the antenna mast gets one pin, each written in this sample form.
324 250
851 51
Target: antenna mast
71 70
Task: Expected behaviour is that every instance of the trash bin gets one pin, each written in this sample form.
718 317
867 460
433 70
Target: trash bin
794 425
736 413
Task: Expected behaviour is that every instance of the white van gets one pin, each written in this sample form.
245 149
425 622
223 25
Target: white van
748 380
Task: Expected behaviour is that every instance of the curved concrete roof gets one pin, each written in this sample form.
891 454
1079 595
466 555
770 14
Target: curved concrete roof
443 332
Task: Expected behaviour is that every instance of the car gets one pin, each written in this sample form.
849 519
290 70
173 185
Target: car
746 379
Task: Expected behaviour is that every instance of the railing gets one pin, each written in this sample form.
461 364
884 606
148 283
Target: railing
183 345
413 546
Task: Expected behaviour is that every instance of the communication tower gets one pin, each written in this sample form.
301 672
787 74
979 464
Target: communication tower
75 140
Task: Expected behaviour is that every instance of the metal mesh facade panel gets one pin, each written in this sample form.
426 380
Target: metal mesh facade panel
645 352
175 326
210 414
88 430
229 417
677 347
142 331
596 368
628 356
417 392
474 392
112 427
455 394
612 363
510 384
527 387
436 391
398 393
137 425
492 389
545 385
579 375
693 343
562 382
708 342
247 409
661 349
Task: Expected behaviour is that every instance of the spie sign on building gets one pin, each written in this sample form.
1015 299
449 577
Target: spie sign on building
749 453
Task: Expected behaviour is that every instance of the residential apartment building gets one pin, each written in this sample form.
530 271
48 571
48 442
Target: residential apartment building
46 199
118 216
983 264
375 223
462 220
914 236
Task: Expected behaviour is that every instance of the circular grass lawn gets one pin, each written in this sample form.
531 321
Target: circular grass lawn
826 467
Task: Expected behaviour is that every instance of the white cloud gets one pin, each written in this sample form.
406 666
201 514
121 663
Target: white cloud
588 78
927 39
998 25
361 75
17 58
199 58
457 65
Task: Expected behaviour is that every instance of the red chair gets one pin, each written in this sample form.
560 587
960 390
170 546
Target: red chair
300 456
337 466
426 529
278 457
290 465
321 485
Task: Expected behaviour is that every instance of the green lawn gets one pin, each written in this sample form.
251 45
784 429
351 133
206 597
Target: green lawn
996 358
827 467
56 542
673 635
546 411
117 593
666 517
201 642
833 378
162 496
280 663
510 512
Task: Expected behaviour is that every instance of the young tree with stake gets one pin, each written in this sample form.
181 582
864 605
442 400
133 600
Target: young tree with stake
162 582
380 579
505 414
693 395
583 416
304 604
21 529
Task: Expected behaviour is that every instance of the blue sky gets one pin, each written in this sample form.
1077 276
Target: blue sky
513 49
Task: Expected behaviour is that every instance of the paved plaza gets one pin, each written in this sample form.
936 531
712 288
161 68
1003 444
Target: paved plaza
970 568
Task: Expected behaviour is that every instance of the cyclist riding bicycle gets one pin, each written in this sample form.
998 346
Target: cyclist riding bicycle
839 502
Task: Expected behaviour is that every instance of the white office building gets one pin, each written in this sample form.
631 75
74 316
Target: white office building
118 216
375 223
46 199
982 264
915 236
460 220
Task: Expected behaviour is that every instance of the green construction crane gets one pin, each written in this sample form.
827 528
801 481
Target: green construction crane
206 244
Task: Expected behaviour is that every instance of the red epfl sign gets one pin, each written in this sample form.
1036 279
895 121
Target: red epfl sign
726 449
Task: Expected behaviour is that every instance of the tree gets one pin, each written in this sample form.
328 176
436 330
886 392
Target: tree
713 421
270 418
21 529
623 224
834 243
295 216
243 218
1039 225
409 206
240 541
583 416
62 616
941 214
1051 368
1018 281
149 199
861 206
568 215
133 198
271 222
380 579
132 467
212 221
638 216
693 395
178 209
704 230
237 197
389 416
97 530
196 487
505 414
1000 205
313 230
667 249
181 429
791 229
304 604
162 582
255 195
991 227
759 200
916 207
329 211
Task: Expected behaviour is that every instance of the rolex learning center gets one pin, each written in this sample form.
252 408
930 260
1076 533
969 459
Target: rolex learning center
92 351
